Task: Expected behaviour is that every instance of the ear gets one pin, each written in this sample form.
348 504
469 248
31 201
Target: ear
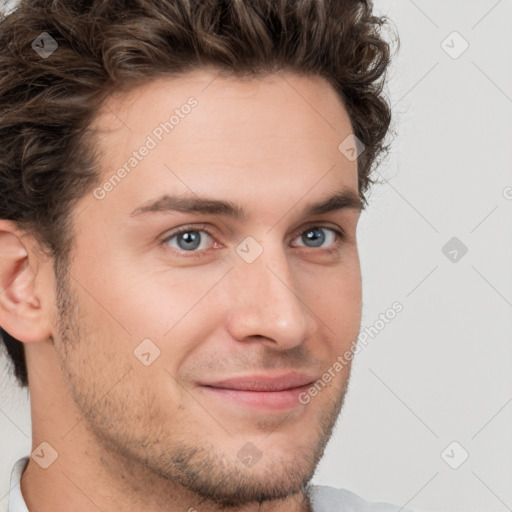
24 278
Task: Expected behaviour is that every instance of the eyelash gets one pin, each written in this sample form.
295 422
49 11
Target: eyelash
340 234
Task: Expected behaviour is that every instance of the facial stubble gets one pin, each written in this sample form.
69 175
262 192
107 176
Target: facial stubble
143 453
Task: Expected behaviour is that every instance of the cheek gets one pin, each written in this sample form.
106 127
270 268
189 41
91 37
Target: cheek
164 303
137 302
335 295
126 302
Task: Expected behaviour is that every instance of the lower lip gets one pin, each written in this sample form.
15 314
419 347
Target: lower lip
275 400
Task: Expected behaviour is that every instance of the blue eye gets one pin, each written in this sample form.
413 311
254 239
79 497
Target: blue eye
189 239
317 238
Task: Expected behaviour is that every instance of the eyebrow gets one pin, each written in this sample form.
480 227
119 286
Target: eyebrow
194 204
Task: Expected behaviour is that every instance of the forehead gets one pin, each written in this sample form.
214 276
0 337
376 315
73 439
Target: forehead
214 85
203 133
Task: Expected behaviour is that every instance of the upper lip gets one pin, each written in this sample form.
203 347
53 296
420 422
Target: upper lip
263 382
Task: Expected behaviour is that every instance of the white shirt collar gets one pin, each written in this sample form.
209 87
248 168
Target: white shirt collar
16 502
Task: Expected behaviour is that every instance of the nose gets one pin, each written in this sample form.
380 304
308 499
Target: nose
268 302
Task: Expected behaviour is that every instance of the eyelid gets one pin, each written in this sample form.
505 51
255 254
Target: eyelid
319 224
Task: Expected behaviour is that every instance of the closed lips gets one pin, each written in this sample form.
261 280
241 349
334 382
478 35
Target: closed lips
262 383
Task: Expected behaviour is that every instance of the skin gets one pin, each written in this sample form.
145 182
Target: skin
134 437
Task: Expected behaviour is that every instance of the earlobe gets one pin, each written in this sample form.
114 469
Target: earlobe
22 313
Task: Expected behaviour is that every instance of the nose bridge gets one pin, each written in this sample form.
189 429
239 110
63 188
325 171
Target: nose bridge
267 302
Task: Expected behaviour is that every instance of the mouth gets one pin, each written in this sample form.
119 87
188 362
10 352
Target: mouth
259 391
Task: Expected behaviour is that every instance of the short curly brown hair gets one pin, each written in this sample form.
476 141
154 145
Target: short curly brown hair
47 156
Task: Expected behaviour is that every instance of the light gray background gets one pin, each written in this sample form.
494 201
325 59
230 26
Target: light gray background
440 371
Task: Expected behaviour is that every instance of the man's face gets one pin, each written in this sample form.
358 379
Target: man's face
275 292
